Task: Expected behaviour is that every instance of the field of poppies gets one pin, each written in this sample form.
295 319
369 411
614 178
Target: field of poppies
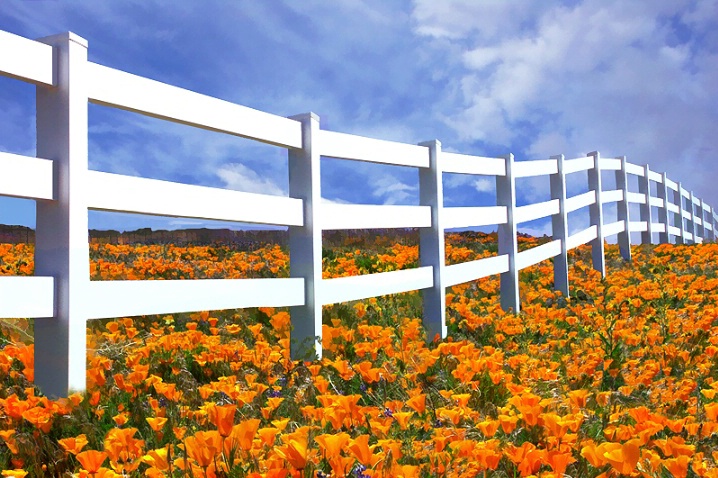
620 379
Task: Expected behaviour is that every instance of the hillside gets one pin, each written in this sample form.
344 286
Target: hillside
618 379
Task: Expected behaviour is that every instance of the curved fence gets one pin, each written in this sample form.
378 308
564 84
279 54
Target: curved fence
63 298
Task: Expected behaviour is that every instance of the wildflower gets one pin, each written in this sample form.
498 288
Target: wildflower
417 403
157 458
73 445
156 423
92 460
14 473
203 447
359 447
332 445
243 433
295 448
223 418
623 458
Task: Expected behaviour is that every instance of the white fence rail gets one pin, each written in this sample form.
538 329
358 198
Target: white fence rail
63 298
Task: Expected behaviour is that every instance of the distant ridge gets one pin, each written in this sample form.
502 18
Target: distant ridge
243 239
26 235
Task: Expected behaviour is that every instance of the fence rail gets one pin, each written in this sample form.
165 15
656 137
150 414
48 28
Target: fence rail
63 298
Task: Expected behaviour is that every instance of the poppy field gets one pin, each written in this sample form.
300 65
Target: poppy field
619 379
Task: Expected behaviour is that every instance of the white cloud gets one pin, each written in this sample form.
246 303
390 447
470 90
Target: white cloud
484 77
241 178
462 19
392 191
543 78
334 201
484 185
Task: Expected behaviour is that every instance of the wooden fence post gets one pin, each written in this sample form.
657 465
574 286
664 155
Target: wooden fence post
624 237
61 237
559 226
644 187
596 215
508 242
662 190
305 242
431 243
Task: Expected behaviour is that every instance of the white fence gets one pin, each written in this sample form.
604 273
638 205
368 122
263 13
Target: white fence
62 296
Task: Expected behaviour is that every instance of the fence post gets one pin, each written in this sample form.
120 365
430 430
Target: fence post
596 215
694 224
709 232
305 242
682 225
506 196
623 238
559 226
431 243
61 237
662 190
702 216
644 187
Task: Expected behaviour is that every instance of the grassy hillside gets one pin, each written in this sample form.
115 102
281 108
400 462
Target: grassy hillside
618 379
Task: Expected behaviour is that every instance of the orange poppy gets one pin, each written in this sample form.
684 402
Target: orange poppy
91 460
74 444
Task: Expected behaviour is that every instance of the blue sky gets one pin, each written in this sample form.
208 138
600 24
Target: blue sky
484 77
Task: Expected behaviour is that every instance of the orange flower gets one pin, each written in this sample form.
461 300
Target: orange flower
417 403
578 397
488 459
677 466
40 417
96 376
332 445
594 455
295 449
488 427
623 458
268 435
223 418
359 447
121 418
169 390
156 423
527 457
91 460
402 418
124 449
711 411
508 423
157 459
8 437
243 433
203 447
73 445
559 461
